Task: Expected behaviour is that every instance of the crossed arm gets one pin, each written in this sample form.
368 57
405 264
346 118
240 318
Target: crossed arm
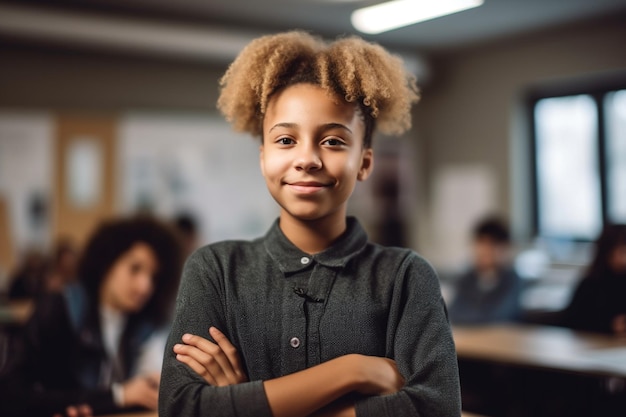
317 391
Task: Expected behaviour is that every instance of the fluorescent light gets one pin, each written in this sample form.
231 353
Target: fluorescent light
174 40
398 13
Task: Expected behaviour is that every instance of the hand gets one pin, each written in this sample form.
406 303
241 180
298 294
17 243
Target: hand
142 391
619 325
82 410
218 364
379 376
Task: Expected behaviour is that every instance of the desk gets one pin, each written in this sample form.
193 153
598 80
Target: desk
552 348
15 312
540 371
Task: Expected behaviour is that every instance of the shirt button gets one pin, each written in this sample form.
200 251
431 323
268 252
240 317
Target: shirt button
304 260
294 342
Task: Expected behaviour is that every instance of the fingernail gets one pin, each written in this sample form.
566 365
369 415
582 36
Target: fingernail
186 337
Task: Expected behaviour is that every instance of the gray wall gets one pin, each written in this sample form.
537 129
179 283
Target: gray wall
472 111
53 77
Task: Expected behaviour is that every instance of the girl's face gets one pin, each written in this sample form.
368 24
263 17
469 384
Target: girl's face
129 284
312 152
489 254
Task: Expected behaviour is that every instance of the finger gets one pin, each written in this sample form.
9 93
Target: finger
149 397
209 353
230 351
197 368
206 360
71 411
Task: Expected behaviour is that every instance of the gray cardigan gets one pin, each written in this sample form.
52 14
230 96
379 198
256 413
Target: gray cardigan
285 311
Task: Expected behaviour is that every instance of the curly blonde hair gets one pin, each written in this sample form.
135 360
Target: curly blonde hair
350 67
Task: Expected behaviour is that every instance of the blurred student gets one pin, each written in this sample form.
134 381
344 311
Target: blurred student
489 290
28 280
40 272
599 301
63 264
90 345
187 227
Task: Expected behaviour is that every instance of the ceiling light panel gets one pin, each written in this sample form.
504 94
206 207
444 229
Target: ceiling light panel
395 14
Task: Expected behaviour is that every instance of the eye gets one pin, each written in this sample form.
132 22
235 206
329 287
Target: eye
333 142
135 268
285 141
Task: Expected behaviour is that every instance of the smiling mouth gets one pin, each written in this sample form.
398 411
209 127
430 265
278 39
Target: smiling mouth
303 187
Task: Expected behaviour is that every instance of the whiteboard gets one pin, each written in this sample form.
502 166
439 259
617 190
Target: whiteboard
171 163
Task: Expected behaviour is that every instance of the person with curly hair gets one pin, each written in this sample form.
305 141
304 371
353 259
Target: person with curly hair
96 346
312 319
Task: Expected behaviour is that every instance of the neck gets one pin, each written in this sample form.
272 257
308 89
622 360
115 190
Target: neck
106 304
313 236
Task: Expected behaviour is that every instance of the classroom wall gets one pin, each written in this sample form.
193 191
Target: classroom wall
49 76
57 82
468 128
471 121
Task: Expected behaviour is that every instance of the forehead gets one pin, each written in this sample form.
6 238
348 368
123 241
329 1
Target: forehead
308 102
140 252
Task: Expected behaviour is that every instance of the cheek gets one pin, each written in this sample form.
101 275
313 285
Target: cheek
115 279
271 168
342 166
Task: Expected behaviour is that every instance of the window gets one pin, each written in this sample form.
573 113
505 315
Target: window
615 105
579 148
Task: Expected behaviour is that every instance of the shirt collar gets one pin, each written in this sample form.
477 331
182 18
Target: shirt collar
291 259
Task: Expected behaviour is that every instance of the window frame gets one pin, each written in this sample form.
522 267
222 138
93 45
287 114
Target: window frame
597 89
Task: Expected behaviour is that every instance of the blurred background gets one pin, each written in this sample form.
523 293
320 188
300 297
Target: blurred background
107 107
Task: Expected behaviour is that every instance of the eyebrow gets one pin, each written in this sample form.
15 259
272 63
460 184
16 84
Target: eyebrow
324 127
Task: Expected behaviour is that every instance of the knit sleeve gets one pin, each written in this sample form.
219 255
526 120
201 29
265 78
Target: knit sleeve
420 341
199 305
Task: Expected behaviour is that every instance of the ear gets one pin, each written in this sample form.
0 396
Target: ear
367 164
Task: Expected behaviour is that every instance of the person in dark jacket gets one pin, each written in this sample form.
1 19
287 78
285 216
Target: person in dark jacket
599 301
88 347
489 291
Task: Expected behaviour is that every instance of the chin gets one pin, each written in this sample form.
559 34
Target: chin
134 307
306 210
305 215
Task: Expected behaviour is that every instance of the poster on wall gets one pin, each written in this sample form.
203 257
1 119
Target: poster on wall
84 171
462 195
25 182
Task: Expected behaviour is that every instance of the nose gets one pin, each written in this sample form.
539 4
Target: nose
144 285
308 159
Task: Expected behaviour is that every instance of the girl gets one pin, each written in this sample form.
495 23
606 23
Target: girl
311 319
91 344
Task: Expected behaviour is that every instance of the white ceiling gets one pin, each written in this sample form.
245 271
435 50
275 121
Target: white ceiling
248 18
